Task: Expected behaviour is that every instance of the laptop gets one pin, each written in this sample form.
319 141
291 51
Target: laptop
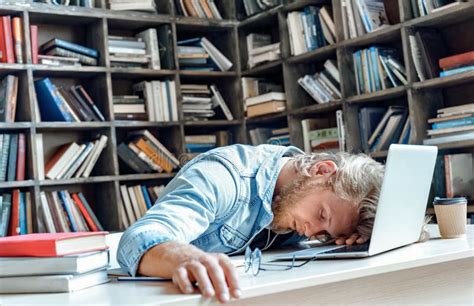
401 208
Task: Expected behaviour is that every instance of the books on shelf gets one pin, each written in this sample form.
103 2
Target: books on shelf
452 124
201 101
16 215
195 144
12 157
260 49
12 41
453 176
136 200
61 48
322 86
198 8
267 103
252 87
263 135
133 5
8 98
253 7
200 54
425 7
311 29
456 64
378 68
144 153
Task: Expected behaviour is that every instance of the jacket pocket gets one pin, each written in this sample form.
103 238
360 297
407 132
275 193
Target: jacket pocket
232 238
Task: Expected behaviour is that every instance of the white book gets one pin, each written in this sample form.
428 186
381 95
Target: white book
64 160
417 56
135 205
266 48
220 101
71 162
291 32
326 32
124 50
298 38
125 43
140 199
341 133
78 217
198 8
142 155
52 283
123 216
129 108
149 96
350 19
40 155
345 26
150 37
263 57
148 6
87 160
331 67
221 61
100 147
127 204
326 18
79 161
46 213
157 144
270 96
63 219
215 11
166 96
328 83
174 103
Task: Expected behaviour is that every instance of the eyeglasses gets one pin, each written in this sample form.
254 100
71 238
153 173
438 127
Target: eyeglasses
253 263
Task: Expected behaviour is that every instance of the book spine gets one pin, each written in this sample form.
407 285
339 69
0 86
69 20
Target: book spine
5 213
20 169
4 157
96 154
7 33
68 211
456 71
12 158
18 39
146 196
453 123
34 43
15 214
22 213
456 61
76 48
84 213
90 211
84 59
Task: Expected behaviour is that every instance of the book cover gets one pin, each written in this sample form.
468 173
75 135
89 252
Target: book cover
56 42
12 157
34 43
51 106
8 56
14 226
458 60
5 214
21 158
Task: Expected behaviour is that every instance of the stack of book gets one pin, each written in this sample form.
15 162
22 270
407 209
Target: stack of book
451 124
253 7
8 98
16 213
311 29
456 64
71 104
139 51
453 176
319 136
152 101
279 137
67 53
133 5
377 69
425 7
200 54
364 16
143 153
268 103
196 144
200 101
261 50
11 40
73 159
380 127
198 8
261 135
136 200
252 87
323 86
12 157
61 262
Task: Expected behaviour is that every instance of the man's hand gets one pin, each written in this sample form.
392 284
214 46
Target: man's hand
185 264
351 239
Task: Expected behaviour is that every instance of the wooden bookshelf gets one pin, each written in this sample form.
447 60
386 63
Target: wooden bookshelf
92 27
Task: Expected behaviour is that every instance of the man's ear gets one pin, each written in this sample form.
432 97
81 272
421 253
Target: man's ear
324 168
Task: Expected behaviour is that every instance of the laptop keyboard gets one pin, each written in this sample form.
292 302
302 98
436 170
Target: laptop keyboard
350 248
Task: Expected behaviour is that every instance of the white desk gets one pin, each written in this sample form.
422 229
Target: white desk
436 272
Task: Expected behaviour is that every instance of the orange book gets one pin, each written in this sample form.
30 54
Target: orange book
155 156
265 108
188 4
206 8
34 43
8 55
52 245
458 60
84 212
53 160
18 39
15 214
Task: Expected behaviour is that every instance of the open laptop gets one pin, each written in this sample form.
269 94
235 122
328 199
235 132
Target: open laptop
401 208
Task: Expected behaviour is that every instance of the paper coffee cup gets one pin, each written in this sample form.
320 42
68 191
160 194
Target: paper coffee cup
451 216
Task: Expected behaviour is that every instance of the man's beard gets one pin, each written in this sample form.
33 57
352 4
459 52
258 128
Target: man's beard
288 198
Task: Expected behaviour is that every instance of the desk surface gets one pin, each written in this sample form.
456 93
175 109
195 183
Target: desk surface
314 274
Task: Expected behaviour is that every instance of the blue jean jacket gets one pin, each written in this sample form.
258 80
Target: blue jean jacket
219 202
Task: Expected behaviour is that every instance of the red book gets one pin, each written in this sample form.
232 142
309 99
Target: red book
21 158
52 245
9 56
458 60
34 43
3 49
15 214
85 213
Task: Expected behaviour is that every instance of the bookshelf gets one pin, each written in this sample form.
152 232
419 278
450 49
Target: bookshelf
91 27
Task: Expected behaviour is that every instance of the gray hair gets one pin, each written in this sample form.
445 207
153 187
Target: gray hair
358 179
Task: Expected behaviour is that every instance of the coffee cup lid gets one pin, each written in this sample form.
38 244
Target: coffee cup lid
449 201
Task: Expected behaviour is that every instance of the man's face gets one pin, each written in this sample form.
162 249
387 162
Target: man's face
309 208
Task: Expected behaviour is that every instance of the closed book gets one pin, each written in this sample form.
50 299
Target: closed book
56 42
131 159
52 108
81 92
458 60
455 71
219 59
165 38
49 245
17 31
8 53
89 210
34 43
52 283
158 145
271 96
150 37
14 226
4 157
449 138
266 108
69 264
85 213
146 197
83 59
154 155
21 158
453 123
12 157
95 155
60 159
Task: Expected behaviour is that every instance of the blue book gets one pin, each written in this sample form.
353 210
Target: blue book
199 147
453 123
368 67
189 42
375 68
22 214
319 29
56 42
309 29
456 71
67 209
12 157
360 76
5 214
146 195
51 106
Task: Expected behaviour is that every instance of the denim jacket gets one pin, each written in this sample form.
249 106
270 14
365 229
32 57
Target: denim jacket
218 202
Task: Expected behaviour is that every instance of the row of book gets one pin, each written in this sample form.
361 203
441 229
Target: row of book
201 101
68 53
144 153
196 144
12 157
261 49
262 96
454 176
72 159
311 29
452 124
8 98
152 101
139 51
425 7
200 54
253 7
136 200
16 213
266 135
82 3
56 262
378 68
320 135
323 86
198 8
381 126
11 40
364 16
